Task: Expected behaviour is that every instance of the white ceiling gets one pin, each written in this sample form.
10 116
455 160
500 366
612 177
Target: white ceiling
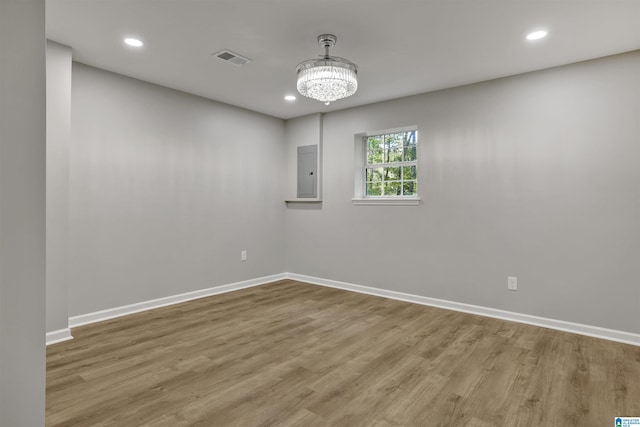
402 47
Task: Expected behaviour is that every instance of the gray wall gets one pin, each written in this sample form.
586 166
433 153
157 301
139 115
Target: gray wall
165 191
534 176
22 212
58 139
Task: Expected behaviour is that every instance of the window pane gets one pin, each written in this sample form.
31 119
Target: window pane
392 174
410 138
409 153
375 143
374 189
375 149
375 157
409 188
394 155
392 188
374 174
394 141
393 148
408 172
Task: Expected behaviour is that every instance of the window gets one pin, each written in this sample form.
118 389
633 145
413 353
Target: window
390 166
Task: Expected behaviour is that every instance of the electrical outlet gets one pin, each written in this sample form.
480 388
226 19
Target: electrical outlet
243 255
512 283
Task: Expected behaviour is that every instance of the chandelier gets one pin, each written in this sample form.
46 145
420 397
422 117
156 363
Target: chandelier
329 78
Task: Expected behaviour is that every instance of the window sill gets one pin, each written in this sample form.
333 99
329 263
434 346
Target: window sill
398 201
303 201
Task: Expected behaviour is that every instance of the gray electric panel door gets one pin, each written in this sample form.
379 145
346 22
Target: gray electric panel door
308 171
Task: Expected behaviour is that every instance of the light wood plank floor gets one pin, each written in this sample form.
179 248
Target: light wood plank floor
293 354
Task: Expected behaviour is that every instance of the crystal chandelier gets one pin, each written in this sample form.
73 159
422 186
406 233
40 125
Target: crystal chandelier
329 78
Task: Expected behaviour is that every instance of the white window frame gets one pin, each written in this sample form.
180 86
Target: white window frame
360 154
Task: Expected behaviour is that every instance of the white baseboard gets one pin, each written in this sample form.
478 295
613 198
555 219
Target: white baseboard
59 336
561 325
98 316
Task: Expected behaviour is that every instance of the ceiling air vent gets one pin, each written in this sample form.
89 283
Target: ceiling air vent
231 57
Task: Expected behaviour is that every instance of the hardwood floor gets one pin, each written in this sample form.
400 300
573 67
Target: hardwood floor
293 354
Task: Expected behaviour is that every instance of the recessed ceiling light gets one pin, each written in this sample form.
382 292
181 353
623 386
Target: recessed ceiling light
536 35
133 42
290 98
